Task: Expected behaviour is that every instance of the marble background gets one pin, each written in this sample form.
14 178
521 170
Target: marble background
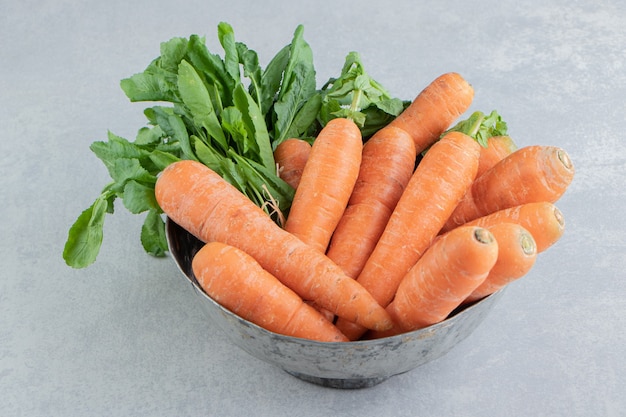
122 337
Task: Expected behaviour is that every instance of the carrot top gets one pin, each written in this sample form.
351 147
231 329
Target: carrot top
481 127
357 96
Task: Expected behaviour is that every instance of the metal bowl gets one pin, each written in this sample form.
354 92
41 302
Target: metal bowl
345 365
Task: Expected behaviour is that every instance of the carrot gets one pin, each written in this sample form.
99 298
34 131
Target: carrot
326 183
517 252
434 109
448 272
543 220
291 156
387 164
530 174
204 204
498 147
237 282
327 314
435 188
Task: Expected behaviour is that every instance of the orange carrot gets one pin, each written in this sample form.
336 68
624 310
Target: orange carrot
327 314
237 282
434 109
387 165
291 156
203 203
530 174
435 188
453 267
498 147
543 220
517 252
326 183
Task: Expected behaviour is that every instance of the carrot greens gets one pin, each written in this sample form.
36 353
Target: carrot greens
481 126
227 112
357 96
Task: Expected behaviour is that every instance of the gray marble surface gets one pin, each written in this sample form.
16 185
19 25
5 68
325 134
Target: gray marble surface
123 337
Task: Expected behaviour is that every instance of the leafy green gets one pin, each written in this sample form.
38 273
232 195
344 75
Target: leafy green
153 233
481 127
355 95
229 113
85 235
298 85
257 138
199 106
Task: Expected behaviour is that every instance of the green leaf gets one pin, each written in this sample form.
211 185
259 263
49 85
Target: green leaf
328 109
375 119
85 235
231 173
114 149
148 86
297 87
149 136
251 69
213 69
172 53
173 127
153 237
481 127
271 79
255 125
125 170
291 102
391 106
207 155
356 95
138 197
357 116
232 122
304 119
196 97
300 65
226 37
162 159
262 186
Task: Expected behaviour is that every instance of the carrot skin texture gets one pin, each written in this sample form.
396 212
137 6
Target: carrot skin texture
326 184
498 148
204 204
327 314
448 272
291 156
435 188
387 163
237 282
528 175
434 109
517 252
543 220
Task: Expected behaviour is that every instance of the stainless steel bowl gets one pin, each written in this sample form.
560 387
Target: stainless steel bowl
345 365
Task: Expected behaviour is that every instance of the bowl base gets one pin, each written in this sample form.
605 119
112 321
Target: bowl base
356 383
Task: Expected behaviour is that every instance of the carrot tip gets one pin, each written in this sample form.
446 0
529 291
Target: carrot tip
558 215
483 235
565 159
529 247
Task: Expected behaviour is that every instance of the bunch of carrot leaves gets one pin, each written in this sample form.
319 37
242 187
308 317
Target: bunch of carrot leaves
228 113
481 126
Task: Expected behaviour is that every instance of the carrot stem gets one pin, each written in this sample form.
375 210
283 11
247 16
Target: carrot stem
356 100
475 126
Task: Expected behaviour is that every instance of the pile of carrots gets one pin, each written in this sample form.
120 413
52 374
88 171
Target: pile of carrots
384 236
